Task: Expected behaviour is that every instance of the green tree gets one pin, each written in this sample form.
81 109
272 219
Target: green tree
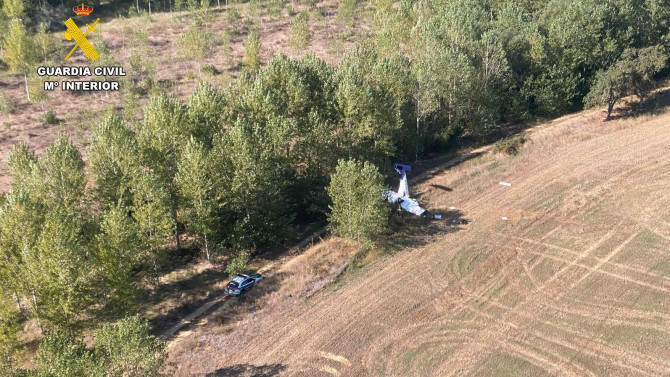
648 62
19 51
44 234
60 179
609 86
114 160
345 11
62 355
13 8
195 44
9 327
206 113
161 137
251 61
151 210
359 211
633 73
257 196
118 252
58 271
46 44
126 349
21 222
21 162
199 189
299 34
238 264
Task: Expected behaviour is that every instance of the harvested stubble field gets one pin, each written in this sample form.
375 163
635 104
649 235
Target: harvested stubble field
575 283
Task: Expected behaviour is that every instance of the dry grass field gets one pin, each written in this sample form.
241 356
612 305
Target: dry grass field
575 283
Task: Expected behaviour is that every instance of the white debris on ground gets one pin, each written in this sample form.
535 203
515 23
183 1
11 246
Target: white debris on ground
504 218
452 207
505 183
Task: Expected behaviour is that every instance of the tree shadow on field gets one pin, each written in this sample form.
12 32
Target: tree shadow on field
205 280
655 104
424 170
227 309
248 370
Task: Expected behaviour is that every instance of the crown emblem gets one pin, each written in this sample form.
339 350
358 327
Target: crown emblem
82 10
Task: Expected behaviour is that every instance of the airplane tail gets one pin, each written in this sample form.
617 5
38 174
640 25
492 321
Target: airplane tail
403 190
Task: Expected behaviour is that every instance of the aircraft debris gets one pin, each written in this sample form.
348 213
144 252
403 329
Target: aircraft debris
402 196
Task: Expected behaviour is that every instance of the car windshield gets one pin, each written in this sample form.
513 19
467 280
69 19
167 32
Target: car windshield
232 284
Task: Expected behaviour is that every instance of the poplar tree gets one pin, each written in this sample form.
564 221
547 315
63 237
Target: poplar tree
200 192
196 45
206 112
60 179
161 137
118 252
257 196
60 354
151 210
114 160
19 51
359 210
251 61
126 349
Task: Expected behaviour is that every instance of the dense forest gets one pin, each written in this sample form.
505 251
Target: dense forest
231 170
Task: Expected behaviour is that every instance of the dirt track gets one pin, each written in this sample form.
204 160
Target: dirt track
576 283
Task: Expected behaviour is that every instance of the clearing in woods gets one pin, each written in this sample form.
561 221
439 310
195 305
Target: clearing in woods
575 283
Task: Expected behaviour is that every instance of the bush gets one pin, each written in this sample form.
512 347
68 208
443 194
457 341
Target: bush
251 62
510 145
345 11
299 33
209 69
50 117
359 210
5 104
233 15
238 264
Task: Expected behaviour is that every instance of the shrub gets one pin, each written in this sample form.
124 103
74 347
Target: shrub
5 104
210 69
50 117
233 15
345 11
510 145
251 62
238 264
299 33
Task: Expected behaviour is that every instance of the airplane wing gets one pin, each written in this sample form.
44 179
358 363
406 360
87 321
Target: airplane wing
411 206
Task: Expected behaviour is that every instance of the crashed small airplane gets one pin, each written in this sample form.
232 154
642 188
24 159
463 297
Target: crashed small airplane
402 196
